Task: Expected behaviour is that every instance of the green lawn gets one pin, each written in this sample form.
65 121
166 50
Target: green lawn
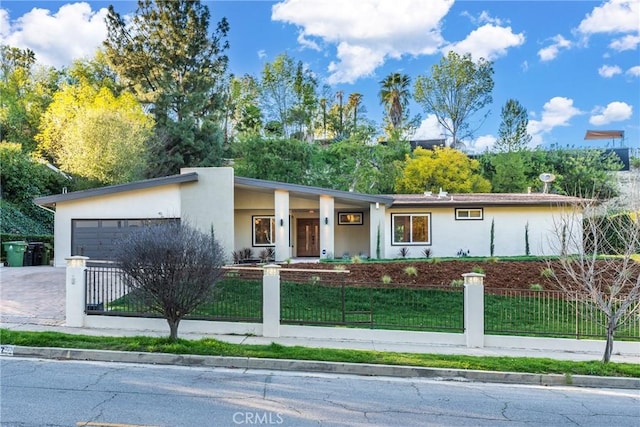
218 348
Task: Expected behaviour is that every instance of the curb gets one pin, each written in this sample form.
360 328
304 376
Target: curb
364 369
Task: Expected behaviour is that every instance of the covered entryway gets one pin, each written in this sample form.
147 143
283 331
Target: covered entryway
308 237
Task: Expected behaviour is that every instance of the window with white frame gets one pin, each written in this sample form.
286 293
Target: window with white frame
264 230
411 229
469 213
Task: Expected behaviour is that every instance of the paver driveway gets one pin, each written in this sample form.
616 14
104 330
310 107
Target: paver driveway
34 295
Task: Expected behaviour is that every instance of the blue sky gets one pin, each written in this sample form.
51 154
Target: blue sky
574 65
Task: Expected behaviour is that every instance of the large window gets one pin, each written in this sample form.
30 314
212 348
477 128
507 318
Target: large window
411 229
264 230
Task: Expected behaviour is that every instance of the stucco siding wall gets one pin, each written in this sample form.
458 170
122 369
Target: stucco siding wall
352 239
209 202
450 236
158 202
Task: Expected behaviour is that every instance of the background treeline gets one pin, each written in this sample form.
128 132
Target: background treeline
158 96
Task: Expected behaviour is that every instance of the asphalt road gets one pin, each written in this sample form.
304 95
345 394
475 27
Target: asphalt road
67 393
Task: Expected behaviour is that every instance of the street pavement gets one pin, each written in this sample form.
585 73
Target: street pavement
33 299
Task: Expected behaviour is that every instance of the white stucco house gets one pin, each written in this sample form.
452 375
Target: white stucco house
303 221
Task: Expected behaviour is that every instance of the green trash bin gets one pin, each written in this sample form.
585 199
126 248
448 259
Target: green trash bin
15 253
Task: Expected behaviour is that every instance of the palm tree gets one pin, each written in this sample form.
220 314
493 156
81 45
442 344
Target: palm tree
394 95
354 103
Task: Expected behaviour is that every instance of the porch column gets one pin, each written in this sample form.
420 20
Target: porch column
283 246
377 230
327 226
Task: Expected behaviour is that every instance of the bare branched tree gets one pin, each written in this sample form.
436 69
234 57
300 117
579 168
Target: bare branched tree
600 266
171 268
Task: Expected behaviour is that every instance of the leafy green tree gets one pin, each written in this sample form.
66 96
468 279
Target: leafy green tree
243 106
276 159
166 55
352 164
395 93
25 92
509 176
23 178
456 89
442 168
512 134
288 95
91 133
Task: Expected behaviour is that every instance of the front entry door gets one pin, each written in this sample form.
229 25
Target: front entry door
308 237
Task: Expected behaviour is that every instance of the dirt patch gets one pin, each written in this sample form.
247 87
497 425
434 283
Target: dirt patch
499 275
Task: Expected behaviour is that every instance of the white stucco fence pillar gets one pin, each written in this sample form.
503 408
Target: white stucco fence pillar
474 309
271 301
75 291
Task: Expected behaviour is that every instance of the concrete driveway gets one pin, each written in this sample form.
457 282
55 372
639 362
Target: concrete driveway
32 295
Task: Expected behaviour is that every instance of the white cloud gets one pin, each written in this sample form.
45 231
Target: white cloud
558 111
366 32
634 71
74 31
551 52
4 23
613 112
628 42
489 42
429 129
262 54
482 143
614 16
608 71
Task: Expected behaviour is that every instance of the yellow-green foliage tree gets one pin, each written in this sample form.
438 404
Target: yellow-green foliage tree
443 167
90 132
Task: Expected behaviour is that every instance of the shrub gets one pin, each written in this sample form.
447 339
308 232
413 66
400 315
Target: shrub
356 259
267 255
547 273
456 283
536 287
426 252
411 271
462 253
477 269
386 279
403 252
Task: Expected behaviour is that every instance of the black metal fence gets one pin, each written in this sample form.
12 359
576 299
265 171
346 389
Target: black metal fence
237 297
314 297
552 314
322 297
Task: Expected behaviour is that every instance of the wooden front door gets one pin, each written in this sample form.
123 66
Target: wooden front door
308 237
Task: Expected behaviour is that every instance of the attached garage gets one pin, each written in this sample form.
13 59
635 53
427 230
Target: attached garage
96 238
